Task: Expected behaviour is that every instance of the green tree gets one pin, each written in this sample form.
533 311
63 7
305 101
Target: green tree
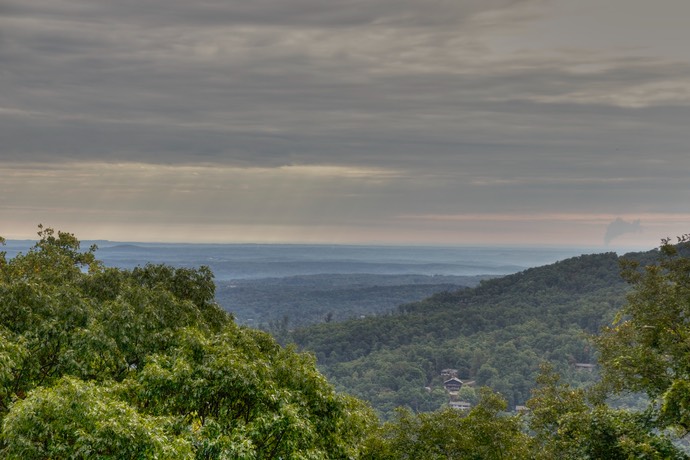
567 425
82 420
648 347
98 362
484 432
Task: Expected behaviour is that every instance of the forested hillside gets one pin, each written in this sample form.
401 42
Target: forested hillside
496 334
109 363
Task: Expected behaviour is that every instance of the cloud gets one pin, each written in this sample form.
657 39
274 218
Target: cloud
302 13
413 107
311 82
620 227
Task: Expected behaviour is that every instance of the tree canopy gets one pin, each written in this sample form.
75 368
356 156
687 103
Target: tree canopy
495 334
648 347
99 362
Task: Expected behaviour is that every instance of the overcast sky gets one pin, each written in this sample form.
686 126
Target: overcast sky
346 121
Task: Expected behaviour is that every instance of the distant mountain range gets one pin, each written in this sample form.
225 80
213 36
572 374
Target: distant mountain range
255 261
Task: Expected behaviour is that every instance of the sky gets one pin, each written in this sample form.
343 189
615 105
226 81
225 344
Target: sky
442 122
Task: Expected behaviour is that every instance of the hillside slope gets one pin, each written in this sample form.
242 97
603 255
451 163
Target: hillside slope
495 334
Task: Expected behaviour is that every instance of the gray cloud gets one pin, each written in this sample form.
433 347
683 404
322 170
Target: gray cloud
422 87
341 13
620 227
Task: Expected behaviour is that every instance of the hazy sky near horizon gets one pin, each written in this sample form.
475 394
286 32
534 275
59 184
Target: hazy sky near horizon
346 121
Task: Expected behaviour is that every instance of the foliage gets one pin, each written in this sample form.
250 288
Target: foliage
98 362
563 422
80 420
567 425
482 433
647 348
496 334
280 304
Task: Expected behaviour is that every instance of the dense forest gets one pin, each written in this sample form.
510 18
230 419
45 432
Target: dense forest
106 363
495 334
280 304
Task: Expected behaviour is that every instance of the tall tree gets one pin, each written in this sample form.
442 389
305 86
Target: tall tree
98 362
648 348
